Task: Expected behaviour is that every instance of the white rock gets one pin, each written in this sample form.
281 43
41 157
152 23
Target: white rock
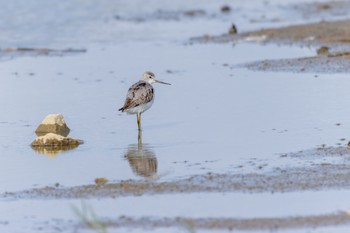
52 119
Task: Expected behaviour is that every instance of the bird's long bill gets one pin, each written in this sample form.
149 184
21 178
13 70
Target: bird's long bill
157 81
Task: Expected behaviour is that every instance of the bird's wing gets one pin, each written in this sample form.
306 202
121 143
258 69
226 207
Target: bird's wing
139 93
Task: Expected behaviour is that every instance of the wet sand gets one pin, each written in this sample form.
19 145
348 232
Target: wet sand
314 177
232 224
334 35
321 33
318 177
319 64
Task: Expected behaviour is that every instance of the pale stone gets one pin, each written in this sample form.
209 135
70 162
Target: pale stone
54 119
53 123
53 140
101 181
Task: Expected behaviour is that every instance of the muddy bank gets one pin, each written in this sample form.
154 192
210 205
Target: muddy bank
333 219
165 15
321 9
16 52
42 51
330 39
317 176
335 33
322 152
317 64
330 33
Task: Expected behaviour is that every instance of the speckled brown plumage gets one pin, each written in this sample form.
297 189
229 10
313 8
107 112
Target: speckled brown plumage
139 93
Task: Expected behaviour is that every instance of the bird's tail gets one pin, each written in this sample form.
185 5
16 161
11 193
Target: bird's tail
121 109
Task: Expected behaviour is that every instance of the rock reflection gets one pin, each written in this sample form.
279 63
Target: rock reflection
142 159
52 152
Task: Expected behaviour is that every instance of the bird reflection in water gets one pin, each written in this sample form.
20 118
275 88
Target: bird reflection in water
142 159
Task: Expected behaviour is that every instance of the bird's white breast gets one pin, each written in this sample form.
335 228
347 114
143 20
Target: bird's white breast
141 108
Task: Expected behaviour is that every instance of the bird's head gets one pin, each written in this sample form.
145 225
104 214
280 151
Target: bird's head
151 78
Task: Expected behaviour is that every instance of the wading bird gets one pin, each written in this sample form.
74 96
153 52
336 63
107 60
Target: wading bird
140 96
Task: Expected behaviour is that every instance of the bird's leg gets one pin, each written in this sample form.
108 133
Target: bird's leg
139 121
139 140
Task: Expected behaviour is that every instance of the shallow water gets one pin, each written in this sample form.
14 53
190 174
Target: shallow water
219 136
218 118
213 118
